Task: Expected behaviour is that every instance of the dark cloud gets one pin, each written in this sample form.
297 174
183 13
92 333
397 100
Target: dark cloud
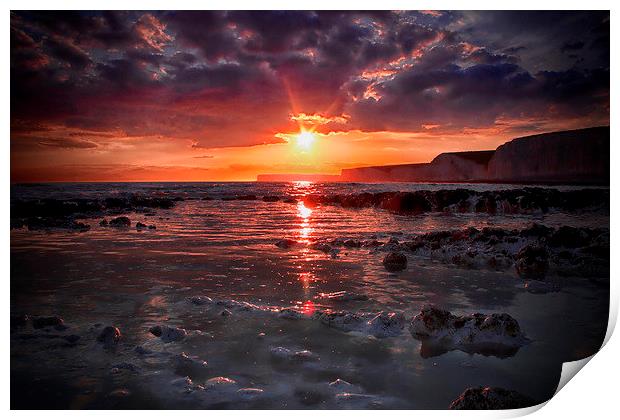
234 78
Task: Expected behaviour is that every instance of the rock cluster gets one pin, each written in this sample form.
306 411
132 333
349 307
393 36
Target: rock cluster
492 334
513 201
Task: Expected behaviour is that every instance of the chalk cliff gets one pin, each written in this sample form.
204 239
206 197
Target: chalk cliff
446 167
576 156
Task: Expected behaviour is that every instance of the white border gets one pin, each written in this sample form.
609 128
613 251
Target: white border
593 394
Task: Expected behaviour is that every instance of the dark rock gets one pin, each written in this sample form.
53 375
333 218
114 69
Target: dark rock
413 203
44 223
103 223
569 237
47 321
109 336
342 296
395 261
141 226
322 246
168 334
271 198
496 334
352 243
120 222
490 398
286 243
247 197
532 261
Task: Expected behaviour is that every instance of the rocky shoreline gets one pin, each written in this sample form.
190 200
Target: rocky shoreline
490 332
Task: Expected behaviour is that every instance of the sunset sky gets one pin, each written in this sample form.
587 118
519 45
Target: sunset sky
138 96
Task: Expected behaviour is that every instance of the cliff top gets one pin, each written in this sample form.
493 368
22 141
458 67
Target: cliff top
481 157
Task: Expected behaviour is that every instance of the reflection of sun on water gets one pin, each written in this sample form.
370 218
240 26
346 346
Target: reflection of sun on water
306 278
304 228
303 211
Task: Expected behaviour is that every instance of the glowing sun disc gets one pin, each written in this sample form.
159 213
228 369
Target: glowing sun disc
305 139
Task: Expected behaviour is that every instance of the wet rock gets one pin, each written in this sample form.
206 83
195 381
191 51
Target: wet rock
386 324
342 296
190 363
48 321
381 325
250 393
201 300
494 334
341 320
220 383
291 313
342 386
532 261
322 246
407 202
490 398
395 261
284 354
168 334
185 385
352 243
286 243
49 223
109 336
120 222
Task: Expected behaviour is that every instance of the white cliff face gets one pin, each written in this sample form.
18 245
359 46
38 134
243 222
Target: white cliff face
445 167
569 156
578 156
454 167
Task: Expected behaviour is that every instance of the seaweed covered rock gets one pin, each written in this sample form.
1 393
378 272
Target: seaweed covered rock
490 398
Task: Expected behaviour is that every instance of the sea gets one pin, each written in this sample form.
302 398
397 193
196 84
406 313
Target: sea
225 249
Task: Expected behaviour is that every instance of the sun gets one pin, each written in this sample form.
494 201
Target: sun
305 139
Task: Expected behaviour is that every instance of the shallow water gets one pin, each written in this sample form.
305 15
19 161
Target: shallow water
225 249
